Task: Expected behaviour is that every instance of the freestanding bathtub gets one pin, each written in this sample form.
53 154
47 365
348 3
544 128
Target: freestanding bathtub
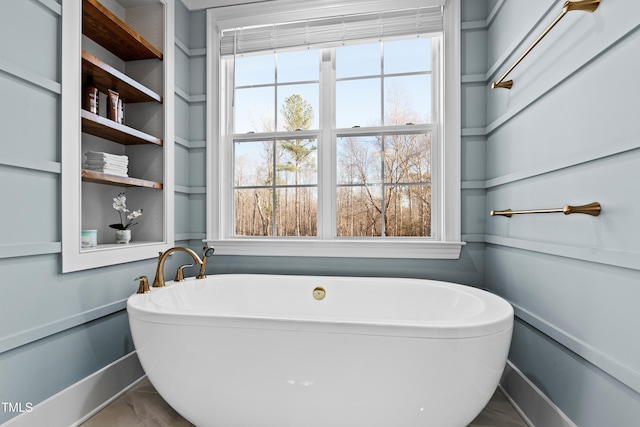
302 351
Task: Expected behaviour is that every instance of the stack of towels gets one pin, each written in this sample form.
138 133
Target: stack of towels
107 163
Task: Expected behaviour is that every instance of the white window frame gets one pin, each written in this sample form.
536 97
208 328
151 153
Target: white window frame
446 241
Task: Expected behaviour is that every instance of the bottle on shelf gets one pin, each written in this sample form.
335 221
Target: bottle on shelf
112 105
120 111
90 102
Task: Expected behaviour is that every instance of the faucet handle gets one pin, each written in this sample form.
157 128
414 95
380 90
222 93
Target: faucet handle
180 274
144 285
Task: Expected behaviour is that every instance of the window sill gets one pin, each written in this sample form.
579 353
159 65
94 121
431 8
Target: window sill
339 248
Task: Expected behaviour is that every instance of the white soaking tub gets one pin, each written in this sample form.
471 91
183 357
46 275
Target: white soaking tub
262 351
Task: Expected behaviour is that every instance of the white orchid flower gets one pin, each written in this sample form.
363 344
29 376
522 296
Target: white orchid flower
135 214
120 205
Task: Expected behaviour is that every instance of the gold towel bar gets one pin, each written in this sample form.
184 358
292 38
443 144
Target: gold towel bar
592 209
583 5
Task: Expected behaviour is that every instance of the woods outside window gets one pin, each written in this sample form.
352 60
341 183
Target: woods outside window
332 137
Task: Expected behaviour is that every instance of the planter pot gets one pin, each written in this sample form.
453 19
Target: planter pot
123 236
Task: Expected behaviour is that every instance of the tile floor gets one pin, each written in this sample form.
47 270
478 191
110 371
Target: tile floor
142 406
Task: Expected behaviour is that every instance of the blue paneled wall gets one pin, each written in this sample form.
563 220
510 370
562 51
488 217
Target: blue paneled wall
568 133
55 329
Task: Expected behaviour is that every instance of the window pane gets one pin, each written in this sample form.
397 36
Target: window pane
407 100
358 60
253 164
299 66
255 70
358 103
408 211
297 211
254 111
253 212
297 162
407 56
298 107
407 158
359 211
358 160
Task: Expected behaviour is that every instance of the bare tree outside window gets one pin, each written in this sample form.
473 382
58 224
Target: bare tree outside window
277 194
383 172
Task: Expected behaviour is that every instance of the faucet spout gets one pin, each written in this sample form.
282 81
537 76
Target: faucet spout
158 281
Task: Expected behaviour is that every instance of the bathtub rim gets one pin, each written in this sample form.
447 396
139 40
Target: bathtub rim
141 307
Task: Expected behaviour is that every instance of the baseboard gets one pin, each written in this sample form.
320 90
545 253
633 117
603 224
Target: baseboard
83 399
532 404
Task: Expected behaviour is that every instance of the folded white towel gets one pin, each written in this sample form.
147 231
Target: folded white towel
106 163
101 154
106 157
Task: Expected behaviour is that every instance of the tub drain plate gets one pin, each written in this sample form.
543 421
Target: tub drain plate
319 293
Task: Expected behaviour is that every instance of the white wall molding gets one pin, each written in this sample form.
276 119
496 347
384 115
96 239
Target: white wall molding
33 164
183 46
554 164
191 99
85 398
51 5
474 25
190 190
474 78
190 144
473 185
623 373
531 403
42 331
628 260
483 24
191 53
18 250
474 132
494 12
190 236
29 76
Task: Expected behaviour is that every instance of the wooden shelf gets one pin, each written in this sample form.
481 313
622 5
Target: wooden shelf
116 132
123 181
109 246
106 29
106 77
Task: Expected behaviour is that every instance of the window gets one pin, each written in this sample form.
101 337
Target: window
333 135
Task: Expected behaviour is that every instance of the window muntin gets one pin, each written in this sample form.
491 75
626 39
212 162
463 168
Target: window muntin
389 196
384 84
384 185
263 83
275 187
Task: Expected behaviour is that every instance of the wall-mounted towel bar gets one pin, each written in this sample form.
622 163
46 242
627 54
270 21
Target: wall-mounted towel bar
592 209
583 5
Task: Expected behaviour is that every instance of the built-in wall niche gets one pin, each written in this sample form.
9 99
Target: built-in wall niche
124 46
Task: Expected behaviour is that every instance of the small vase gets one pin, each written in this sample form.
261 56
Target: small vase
123 236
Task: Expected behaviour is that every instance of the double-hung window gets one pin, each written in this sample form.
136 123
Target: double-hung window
334 133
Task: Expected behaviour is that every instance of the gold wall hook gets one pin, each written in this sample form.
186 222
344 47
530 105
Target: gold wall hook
582 5
592 209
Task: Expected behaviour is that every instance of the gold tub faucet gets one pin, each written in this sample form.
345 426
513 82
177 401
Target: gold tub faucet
158 281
